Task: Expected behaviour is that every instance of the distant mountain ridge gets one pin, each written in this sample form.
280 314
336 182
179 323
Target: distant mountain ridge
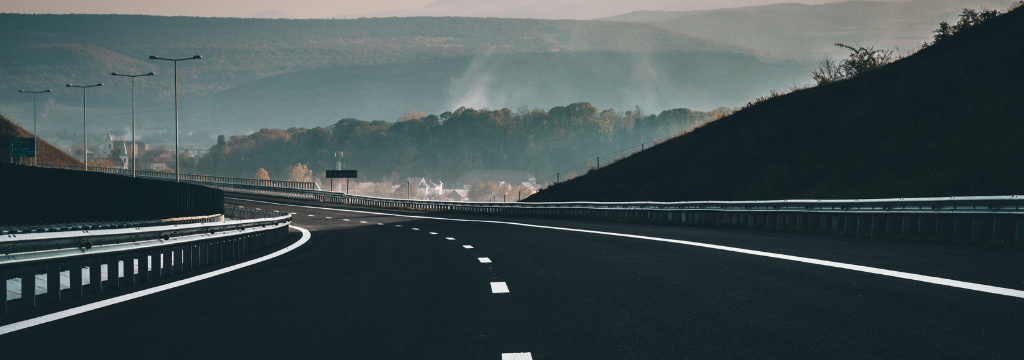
802 31
558 9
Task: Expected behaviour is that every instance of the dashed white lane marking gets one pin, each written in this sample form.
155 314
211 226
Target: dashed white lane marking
345 219
433 233
398 225
484 260
866 269
327 217
416 229
499 288
9 328
379 224
467 246
309 215
449 238
516 356
258 209
363 222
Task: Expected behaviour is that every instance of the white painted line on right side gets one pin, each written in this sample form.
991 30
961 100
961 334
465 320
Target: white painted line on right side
449 238
516 356
484 260
416 229
499 288
468 246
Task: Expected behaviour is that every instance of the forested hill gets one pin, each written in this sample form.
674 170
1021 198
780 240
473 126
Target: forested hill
448 145
945 121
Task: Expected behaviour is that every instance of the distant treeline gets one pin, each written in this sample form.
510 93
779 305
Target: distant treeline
448 145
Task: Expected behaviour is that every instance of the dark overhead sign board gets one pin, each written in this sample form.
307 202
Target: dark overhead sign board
340 174
23 147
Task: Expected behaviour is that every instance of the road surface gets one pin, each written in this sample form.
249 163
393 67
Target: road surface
381 284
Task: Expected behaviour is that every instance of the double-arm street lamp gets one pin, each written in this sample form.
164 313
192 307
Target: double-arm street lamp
85 133
134 147
35 143
177 174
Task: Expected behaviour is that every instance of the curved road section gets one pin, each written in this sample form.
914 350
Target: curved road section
375 284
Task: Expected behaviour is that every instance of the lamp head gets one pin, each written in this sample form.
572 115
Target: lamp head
151 73
115 74
48 90
153 57
197 57
22 90
100 84
68 85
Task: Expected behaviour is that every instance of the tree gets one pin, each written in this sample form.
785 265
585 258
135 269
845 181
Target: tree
406 191
299 172
482 191
261 174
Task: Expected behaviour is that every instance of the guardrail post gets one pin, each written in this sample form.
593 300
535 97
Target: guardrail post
95 274
179 262
3 272
28 286
906 227
997 230
890 226
876 226
52 282
129 268
75 273
800 222
958 228
976 229
187 256
113 269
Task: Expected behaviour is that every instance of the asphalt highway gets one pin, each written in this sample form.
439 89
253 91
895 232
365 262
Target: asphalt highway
377 284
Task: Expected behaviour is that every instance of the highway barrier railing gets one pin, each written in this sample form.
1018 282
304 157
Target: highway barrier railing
171 249
36 195
970 219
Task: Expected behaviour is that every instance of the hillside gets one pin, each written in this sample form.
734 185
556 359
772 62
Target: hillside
944 121
46 152
808 32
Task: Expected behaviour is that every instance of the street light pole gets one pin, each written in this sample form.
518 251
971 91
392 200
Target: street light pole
135 148
85 133
35 143
177 173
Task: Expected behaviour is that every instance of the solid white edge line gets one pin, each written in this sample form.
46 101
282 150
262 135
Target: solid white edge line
867 269
9 328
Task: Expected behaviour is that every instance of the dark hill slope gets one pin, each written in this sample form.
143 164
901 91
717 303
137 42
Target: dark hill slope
948 120
46 152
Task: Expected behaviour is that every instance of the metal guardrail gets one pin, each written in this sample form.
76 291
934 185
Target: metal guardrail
993 219
192 177
171 249
978 219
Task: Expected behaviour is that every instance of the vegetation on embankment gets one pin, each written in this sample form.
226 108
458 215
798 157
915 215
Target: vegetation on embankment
46 152
948 120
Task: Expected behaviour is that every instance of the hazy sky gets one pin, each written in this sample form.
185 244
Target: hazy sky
294 8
